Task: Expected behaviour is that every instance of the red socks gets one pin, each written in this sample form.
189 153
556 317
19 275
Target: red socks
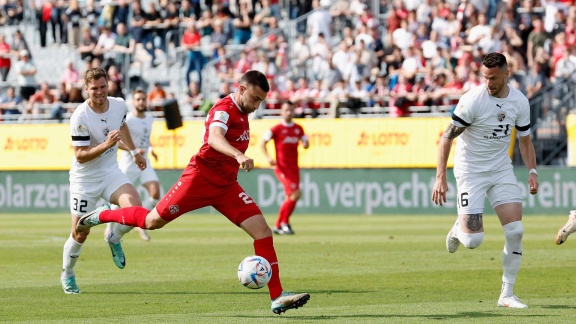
265 248
286 210
131 216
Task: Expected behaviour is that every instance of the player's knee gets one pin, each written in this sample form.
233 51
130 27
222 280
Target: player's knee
471 240
295 195
513 231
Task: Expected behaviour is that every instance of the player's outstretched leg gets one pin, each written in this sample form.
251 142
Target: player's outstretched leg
91 219
452 241
567 229
288 301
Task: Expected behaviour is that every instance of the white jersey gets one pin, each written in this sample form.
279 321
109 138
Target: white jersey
140 130
489 121
91 129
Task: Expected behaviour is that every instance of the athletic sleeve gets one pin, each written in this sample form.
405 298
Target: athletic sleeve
79 131
464 112
523 121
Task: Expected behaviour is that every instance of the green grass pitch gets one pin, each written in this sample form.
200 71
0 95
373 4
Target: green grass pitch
358 269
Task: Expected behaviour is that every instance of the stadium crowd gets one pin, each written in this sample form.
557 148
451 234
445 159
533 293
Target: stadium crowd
400 57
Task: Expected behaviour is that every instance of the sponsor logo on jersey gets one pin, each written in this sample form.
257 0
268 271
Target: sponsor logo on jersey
244 137
104 120
499 105
221 116
174 209
501 115
290 140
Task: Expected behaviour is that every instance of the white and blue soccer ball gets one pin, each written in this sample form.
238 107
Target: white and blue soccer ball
254 272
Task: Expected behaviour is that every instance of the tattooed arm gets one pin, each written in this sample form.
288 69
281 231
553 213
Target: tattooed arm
441 185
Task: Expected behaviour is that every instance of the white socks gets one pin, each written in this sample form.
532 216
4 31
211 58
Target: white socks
70 256
511 256
150 203
117 231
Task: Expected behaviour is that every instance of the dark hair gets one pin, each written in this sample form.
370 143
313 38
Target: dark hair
255 78
494 59
94 74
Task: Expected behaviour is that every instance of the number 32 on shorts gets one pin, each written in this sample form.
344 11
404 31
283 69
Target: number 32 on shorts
81 207
247 200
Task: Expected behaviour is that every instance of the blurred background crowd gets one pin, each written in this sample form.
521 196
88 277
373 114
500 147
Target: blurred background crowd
333 58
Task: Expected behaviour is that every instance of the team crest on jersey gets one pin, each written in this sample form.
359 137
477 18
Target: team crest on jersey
501 116
106 131
174 209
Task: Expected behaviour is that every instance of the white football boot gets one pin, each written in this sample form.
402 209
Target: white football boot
567 229
511 302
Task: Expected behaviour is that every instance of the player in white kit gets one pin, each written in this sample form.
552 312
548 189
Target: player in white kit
97 127
140 125
486 117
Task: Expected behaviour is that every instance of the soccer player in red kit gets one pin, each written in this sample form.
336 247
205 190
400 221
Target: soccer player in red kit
287 136
210 179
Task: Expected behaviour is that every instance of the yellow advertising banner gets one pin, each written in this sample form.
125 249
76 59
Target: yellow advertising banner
334 143
571 130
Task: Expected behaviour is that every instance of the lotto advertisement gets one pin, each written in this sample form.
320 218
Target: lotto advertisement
340 143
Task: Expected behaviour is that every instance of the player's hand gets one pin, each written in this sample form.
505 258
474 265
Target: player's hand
533 183
439 191
113 137
245 162
140 161
272 161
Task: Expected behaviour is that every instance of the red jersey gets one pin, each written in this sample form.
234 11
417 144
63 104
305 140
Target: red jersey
218 168
286 138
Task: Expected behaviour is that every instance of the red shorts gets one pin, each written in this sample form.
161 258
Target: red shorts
194 191
290 180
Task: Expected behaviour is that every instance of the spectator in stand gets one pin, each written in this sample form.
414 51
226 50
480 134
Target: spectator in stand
318 22
121 15
274 97
18 43
10 103
301 50
5 58
137 22
41 97
218 39
536 80
338 97
242 65
156 96
265 66
479 33
401 98
243 24
289 91
115 75
536 39
263 14
90 15
105 47
194 96
74 18
301 97
187 13
566 66
153 29
87 45
191 41
224 66
124 47
44 15
58 23
70 76
114 89
224 90
380 91
257 33
25 71
204 23
317 97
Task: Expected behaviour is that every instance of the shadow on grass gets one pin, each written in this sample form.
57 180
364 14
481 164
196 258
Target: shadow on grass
559 306
467 315
262 292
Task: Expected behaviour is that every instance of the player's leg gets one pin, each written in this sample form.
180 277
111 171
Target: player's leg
567 229
241 210
506 199
291 185
152 185
469 227
82 199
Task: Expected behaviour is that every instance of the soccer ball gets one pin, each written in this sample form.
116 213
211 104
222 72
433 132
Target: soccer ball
254 272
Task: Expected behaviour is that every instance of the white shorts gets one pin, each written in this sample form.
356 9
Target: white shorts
136 175
500 187
85 195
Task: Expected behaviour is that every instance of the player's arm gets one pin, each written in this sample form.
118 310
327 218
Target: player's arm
126 140
529 157
441 185
85 154
218 141
265 139
305 142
